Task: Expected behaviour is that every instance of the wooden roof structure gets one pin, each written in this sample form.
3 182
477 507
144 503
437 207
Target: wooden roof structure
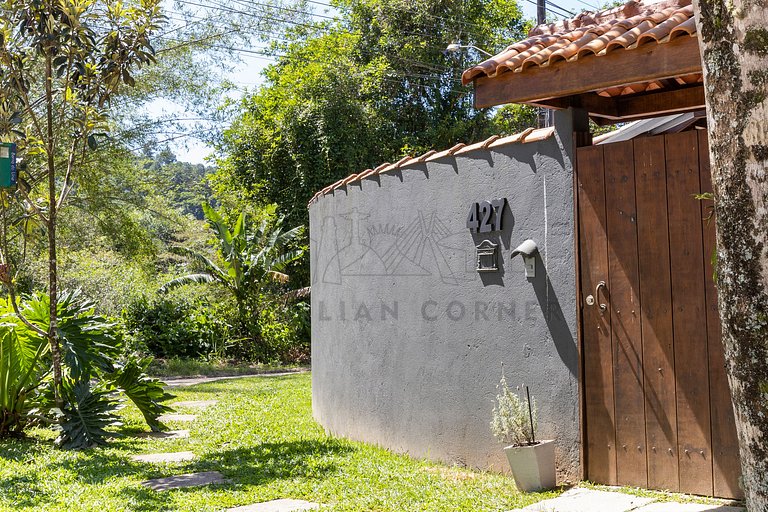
635 61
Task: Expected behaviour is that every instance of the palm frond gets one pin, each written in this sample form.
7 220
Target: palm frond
188 279
285 259
216 221
301 293
289 236
200 259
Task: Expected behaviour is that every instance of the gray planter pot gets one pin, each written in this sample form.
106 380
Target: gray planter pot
533 466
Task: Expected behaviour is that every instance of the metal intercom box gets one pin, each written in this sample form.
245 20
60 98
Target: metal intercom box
8 172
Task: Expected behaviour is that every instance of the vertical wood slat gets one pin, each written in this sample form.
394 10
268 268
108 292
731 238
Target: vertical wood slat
689 314
656 313
725 447
622 298
598 372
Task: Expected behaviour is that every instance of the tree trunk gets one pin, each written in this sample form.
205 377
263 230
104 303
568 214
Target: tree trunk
53 339
733 39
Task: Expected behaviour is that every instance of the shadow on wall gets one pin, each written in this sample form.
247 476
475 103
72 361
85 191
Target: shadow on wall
553 314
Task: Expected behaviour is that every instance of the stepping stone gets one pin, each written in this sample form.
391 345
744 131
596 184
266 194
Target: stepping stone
164 457
177 417
198 404
283 505
688 507
170 434
588 500
188 480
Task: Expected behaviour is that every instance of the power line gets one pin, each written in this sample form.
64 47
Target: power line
561 8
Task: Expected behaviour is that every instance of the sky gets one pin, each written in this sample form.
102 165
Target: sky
247 76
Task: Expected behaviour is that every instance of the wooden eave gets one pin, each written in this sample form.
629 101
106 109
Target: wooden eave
566 84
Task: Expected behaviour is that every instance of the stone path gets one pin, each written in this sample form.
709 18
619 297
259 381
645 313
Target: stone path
164 457
177 417
187 480
168 434
191 381
195 404
588 500
284 505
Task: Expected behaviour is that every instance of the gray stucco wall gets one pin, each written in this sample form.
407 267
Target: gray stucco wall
408 339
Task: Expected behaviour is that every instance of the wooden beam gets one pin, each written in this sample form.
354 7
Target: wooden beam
662 102
592 73
622 108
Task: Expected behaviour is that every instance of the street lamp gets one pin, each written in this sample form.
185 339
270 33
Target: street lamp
455 47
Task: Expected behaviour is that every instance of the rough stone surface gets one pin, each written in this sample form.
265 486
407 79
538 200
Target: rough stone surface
170 434
688 507
195 404
408 339
177 417
284 505
164 457
588 500
187 480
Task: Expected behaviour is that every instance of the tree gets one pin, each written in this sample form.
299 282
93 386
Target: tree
370 86
733 40
63 61
253 266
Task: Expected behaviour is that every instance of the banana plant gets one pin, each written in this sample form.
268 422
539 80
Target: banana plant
253 260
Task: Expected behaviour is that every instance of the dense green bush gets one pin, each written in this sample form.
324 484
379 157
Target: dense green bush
285 332
176 326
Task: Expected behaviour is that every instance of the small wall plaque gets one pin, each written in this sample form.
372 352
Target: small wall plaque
487 257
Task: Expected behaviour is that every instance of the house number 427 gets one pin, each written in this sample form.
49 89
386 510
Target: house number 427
485 216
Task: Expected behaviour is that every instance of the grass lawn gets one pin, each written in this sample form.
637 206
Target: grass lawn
262 437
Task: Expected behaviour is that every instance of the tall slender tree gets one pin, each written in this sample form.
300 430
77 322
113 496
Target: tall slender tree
733 38
62 62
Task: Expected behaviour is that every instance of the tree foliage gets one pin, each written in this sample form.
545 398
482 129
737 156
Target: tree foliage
62 62
348 94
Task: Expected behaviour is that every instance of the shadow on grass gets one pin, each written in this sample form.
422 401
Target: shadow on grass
265 462
22 448
96 467
258 465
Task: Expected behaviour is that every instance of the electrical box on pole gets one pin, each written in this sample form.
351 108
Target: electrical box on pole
8 172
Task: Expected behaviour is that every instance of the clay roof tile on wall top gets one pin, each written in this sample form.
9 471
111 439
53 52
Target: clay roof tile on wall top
495 141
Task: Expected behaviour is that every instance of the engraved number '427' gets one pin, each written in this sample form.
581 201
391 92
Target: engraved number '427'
485 216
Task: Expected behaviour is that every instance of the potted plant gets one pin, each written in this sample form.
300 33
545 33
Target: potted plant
514 423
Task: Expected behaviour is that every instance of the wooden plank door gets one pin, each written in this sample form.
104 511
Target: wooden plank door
657 408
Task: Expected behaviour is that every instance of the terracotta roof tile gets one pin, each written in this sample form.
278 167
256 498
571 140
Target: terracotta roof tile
591 35
366 173
443 154
527 136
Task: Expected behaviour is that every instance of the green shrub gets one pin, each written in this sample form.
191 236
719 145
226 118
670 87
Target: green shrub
94 375
173 326
285 332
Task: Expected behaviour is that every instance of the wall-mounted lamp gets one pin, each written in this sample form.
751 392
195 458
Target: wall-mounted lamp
527 250
455 47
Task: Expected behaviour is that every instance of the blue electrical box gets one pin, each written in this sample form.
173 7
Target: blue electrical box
8 172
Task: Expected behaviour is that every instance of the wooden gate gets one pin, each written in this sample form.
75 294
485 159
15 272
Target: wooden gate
657 411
